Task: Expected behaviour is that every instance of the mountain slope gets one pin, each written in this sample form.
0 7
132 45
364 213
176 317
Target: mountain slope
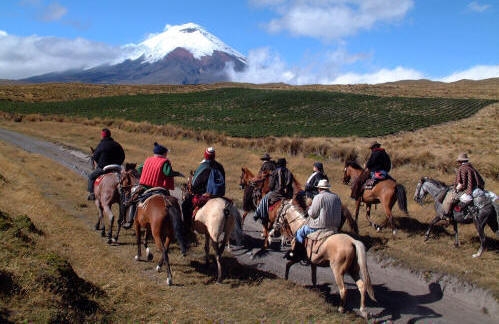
185 54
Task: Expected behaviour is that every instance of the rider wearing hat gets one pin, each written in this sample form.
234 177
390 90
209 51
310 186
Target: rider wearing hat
156 171
281 187
324 213
268 166
377 167
107 152
467 184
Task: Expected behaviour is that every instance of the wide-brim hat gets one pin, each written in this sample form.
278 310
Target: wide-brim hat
463 157
374 144
323 184
265 157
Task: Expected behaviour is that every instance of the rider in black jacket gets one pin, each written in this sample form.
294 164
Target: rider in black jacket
107 152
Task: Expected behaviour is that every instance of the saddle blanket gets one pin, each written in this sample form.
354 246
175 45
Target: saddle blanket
321 234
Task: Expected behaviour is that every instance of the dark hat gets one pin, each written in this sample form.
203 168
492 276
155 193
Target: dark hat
105 133
374 144
281 162
319 166
265 157
159 149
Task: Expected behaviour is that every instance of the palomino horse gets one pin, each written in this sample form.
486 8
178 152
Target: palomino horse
218 220
340 251
108 191
486 213
254 189
386 192
161 217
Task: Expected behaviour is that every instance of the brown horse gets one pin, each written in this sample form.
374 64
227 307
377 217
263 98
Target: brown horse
218 220
107 193
386 192
161 217
254 189
340 252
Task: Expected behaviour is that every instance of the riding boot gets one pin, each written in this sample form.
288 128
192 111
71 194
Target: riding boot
133 209
91 196
297 251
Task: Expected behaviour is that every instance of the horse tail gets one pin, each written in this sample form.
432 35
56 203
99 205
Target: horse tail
360 250
176 217
237 231
401 198
351 222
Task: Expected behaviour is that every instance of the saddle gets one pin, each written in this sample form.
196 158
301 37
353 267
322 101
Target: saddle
200 200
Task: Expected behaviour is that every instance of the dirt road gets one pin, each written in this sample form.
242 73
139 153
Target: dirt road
403 295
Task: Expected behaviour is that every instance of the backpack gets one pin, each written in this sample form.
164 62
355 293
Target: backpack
216 183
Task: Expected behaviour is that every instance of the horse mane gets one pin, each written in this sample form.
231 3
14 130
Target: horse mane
354 164
436 182
246 170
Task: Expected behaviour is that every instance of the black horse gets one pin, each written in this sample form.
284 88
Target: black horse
482 212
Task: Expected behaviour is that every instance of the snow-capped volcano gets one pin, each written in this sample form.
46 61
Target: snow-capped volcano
190 37
183 54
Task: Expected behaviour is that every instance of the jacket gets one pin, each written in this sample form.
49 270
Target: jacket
156 172
200 178
469 178
325 211
379 160
108 152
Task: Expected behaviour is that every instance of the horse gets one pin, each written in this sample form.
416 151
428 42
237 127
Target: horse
254 189
340 251
487 213
161 217
299 197
218 220
108 191
386 192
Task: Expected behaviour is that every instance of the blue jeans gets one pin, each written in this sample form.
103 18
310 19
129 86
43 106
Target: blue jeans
302 233
262 211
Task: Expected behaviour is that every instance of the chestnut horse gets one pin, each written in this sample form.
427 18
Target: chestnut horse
340 252
254 189
161 217
386 192
218 220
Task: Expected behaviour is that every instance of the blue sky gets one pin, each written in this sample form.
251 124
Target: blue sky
291 41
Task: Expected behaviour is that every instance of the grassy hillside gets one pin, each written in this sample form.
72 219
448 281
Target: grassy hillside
241 112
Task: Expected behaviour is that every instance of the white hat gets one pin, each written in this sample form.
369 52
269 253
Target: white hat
463 157
324 184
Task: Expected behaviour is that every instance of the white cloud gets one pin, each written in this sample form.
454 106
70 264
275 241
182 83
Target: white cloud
22 57
265 66
478 72
475 6
332 19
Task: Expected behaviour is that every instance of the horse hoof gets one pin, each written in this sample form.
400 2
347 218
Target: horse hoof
109 241
426 238
114 240
158 268
394 232
341 309
137 258
169 281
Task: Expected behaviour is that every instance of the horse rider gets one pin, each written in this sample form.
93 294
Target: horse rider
280 187
467 184
377 167
324 213
267 167
156 171
312 181
200 185
107 152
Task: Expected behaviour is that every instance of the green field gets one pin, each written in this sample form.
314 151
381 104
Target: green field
251 113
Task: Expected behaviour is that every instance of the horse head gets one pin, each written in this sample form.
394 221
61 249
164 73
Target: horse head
419 194
245 178
186 188
351 170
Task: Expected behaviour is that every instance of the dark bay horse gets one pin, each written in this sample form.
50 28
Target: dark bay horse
340 252
254 189
487 213
218 220
385 192
160 216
